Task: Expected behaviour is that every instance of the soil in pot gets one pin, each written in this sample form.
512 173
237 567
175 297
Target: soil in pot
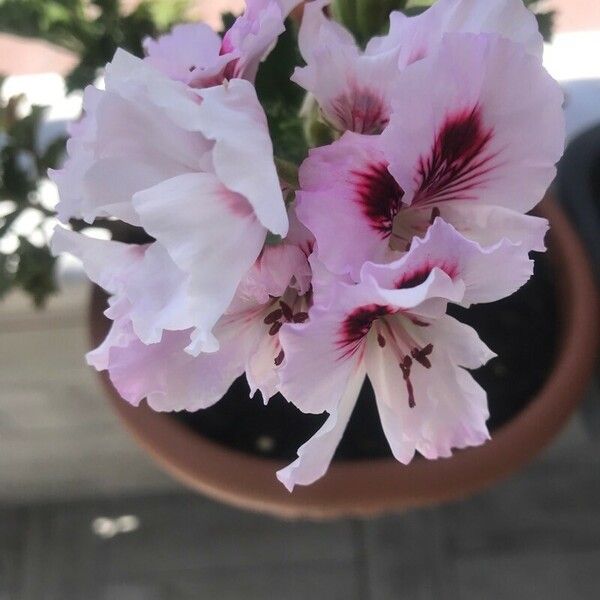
522 330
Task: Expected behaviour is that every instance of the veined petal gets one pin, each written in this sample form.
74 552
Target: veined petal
445 407
488 274
232 116
316 454
318 363
323 353
348 199
353 89
480 121
211 234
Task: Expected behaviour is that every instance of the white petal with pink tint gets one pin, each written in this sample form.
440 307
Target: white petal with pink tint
348 199
449 410
190 53
252 36
211 234
169 378
508 18
417 37
322 354
232 116
316 454
486 225
353 89
489 130
106 263
315 373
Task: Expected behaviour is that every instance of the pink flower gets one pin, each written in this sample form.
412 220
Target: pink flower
355 88
473 137
392 327
195 54
194 168
272 293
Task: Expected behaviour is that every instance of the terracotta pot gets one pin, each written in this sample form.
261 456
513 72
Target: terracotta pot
371 487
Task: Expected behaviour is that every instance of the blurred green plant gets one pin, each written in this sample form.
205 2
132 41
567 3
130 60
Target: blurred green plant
92 30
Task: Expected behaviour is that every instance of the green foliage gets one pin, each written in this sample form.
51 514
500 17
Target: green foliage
283 99
93 30
365 18
22 163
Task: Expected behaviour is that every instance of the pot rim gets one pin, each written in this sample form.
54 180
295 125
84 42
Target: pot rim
371 487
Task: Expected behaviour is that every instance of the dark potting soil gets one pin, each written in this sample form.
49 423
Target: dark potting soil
522 330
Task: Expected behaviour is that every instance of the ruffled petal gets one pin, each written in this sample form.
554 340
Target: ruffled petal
317 453
488 274
232 116
190 53
211 234
478 121
445 408
486 225
417 37
252 36
168 377
106 263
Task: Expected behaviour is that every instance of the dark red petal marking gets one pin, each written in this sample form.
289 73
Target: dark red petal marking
381 340
420 275
361 110
379 196
357 325
459 162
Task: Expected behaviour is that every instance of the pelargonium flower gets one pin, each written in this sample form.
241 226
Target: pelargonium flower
355 88
474 137
196 55
272 293
193 167
392 327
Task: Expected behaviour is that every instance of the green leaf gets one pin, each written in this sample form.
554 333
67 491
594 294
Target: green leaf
35 271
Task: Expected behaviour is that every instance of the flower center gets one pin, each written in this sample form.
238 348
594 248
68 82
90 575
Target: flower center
406 351
392 336
292 311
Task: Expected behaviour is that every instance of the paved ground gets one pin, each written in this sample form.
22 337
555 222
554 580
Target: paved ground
534 537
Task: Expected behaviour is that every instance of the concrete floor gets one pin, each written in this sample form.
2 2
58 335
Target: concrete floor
536 536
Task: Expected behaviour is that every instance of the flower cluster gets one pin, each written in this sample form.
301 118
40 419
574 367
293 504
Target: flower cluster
446 133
